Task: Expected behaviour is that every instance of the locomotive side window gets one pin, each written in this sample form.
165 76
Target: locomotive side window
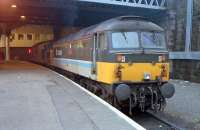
80 44
74 45
102 41
78 48
125 40
87 44
59 52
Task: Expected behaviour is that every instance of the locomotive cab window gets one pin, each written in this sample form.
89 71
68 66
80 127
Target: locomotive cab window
125 40
153 40
102 41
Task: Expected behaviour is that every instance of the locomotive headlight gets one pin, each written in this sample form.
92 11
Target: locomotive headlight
147 76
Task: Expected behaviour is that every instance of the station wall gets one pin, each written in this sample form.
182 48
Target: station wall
24 37
186 69
29 35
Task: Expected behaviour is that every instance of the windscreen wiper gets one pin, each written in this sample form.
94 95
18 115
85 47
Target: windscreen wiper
123 34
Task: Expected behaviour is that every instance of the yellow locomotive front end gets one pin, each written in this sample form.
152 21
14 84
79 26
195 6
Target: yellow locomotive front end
133 57
136 65
132 72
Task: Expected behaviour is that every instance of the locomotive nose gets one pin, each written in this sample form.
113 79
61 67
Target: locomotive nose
167 90
122 92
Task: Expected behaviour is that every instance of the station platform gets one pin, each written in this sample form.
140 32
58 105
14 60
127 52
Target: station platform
33 97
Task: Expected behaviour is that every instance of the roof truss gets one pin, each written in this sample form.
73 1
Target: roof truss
150 4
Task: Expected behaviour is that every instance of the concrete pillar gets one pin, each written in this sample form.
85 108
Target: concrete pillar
5 42
5 30
188 39
7 57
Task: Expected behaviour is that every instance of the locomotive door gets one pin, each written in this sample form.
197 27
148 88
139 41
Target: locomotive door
94 57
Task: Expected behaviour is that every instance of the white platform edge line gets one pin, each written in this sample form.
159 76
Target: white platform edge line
120 114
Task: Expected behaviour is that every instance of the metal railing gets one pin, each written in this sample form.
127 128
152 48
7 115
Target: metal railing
184 55
150 4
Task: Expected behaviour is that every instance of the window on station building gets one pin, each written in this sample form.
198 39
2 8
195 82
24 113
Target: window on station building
12 37
20 36
29 37
37 37
45 36
49 36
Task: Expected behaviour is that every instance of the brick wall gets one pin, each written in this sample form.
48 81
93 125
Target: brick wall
17 53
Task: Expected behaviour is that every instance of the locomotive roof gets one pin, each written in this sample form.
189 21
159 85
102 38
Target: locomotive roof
119 23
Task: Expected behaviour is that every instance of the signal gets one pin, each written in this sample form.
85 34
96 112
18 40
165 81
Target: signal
29 51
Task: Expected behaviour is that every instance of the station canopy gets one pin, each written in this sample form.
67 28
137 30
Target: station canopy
74 12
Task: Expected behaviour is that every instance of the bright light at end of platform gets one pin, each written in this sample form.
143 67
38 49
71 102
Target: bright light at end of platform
23 17
13 6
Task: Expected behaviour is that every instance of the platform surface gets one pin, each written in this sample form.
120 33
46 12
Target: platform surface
35 98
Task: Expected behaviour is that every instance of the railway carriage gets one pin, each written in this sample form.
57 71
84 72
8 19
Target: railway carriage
124 60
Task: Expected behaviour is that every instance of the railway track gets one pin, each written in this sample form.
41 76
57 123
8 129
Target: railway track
170 125
151 121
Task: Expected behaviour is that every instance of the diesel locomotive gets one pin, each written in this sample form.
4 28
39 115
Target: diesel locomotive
123 60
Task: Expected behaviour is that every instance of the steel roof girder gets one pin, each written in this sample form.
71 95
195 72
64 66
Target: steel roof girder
153 4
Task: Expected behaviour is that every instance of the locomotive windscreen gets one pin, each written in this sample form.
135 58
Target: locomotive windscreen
153 40
125 40
134 40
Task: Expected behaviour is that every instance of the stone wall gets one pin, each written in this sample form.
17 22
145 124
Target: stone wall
186 69
180 25
179 44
